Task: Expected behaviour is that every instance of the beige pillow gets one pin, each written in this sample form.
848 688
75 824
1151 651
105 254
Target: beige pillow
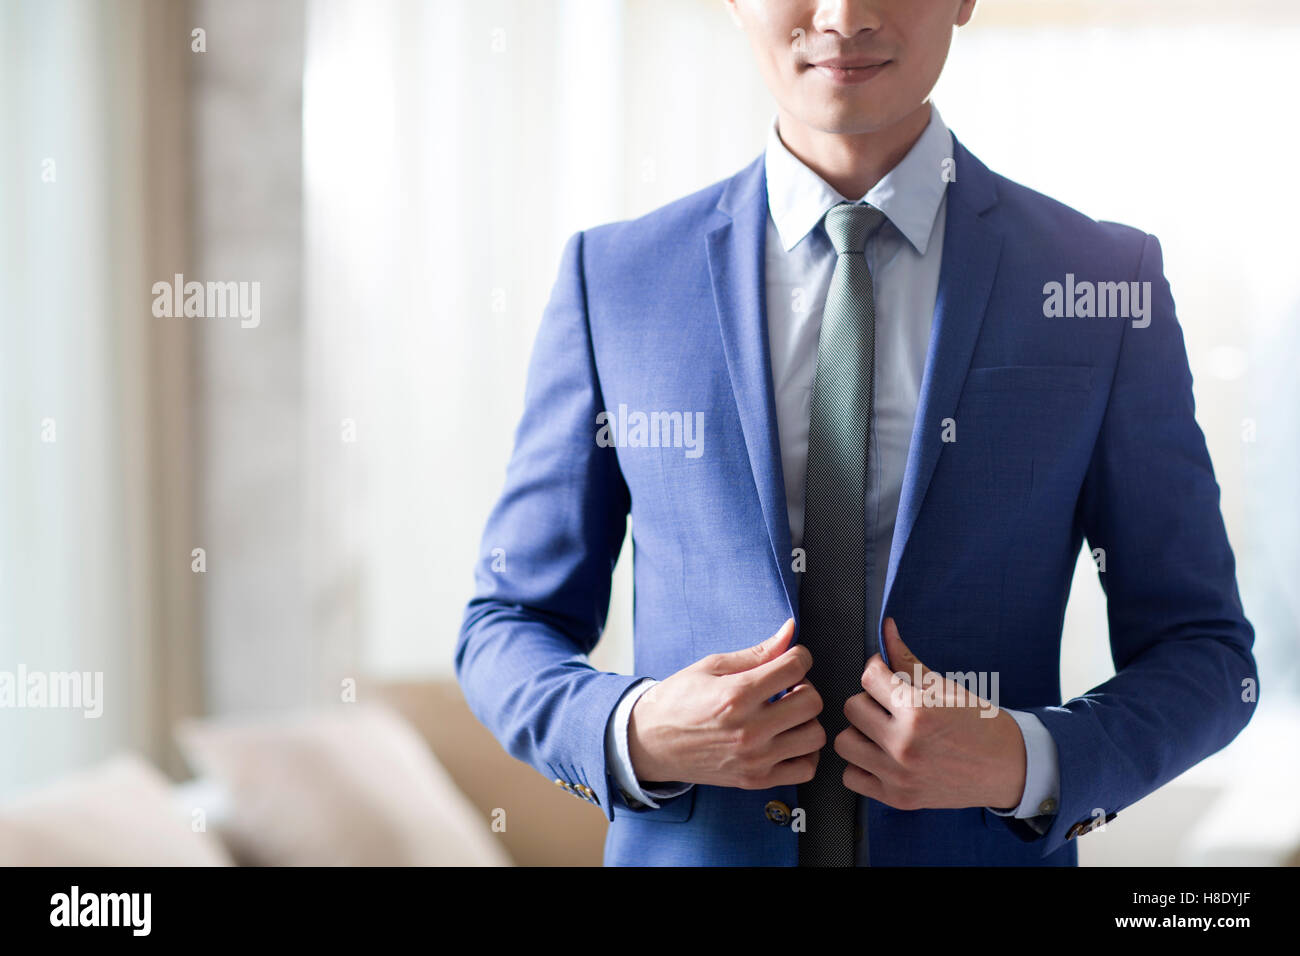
352 787
119 813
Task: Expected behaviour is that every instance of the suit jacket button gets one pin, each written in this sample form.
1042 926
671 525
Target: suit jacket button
777 812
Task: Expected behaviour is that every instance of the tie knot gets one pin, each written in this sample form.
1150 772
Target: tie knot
851 224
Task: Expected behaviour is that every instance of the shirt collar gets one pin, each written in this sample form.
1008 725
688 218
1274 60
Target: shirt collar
909 194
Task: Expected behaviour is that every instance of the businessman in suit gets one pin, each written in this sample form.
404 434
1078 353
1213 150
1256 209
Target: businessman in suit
863 402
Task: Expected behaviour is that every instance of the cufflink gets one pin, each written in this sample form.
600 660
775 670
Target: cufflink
1087 826
631 801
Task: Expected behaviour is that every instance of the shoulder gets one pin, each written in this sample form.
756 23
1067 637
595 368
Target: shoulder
1067 226
1038 226
663 234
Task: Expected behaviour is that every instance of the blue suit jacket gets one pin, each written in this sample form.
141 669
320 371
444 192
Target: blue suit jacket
1066 429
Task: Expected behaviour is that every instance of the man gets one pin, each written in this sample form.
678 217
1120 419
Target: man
888 422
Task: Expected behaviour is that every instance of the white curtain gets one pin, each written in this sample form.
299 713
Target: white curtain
449 150
87 508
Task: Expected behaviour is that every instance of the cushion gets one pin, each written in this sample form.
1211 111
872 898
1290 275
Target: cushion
119 813
354 786
546 826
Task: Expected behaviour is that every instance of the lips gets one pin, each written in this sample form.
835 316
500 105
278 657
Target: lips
851 62
850 69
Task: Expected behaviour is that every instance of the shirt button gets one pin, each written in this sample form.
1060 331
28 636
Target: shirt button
777 812
1047 806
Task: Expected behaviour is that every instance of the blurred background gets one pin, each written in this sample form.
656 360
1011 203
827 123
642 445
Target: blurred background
245 526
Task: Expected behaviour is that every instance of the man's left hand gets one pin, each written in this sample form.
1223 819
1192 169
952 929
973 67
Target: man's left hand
921 741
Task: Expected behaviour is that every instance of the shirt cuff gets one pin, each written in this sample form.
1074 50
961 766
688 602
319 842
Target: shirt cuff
1042 773
619 759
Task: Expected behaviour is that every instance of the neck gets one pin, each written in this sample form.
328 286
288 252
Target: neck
852 163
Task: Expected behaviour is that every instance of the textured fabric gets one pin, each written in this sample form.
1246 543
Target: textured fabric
833 587
905 258
1064 427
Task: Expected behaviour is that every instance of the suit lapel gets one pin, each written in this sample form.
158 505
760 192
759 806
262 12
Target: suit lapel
971 249
736 250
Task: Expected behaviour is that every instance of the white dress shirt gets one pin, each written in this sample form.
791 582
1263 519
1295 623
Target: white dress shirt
904 256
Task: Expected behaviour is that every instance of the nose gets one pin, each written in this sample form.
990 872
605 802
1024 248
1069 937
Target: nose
847 17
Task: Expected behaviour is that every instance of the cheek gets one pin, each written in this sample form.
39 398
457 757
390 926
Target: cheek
774 53
927 47
774 32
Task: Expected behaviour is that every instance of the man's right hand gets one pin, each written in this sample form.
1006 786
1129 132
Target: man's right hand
715 723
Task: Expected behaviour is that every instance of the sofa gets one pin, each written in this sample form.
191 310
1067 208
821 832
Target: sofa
404 777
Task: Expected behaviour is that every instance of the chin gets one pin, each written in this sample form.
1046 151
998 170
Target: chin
848 118
850 111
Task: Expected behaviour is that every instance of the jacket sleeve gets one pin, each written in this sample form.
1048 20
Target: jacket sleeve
542 580
1186 680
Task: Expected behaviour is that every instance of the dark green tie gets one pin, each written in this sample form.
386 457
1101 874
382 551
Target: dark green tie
832 591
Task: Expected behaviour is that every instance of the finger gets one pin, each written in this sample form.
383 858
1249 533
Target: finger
808 738
862 753
736 662
795 770
870 719
888 689
768 680
899 656
859 781
802 704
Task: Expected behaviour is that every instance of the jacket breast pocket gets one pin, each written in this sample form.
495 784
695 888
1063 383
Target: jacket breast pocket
1022 435
1029 378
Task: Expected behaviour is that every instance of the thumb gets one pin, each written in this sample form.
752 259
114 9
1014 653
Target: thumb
898 655
733 662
